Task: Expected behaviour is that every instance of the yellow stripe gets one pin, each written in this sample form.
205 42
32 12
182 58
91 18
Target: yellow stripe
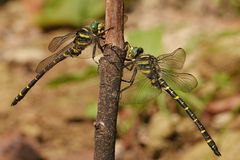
203 131
146 71
166 88
54 61
83 35
27 87
208 141
195 120
36 78
177 97
153 80
65 55
100 26
187 108
161 82
20 94
143 62
75 50
82 43
144 56
85 29
16 98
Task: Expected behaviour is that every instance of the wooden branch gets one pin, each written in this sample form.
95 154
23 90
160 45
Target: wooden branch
115 18
110 70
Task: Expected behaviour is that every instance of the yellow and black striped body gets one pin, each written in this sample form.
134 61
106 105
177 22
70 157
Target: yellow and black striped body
148 65
190 113
25 90
84 37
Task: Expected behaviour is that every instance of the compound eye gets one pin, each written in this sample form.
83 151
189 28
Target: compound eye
135 52
139 50
94 26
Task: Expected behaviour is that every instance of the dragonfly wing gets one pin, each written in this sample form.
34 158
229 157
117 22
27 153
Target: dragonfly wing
58 41
41 65
125 18
173 61
141 92
180 81
49 59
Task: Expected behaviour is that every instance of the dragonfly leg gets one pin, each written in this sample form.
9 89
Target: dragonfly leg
130 81
108 29
129 66
94 53
99 46
126 44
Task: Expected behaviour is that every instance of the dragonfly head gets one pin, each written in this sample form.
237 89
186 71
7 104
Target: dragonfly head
134 52
97 28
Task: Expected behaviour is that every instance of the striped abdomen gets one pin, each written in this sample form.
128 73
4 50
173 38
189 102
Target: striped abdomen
190 113
25 90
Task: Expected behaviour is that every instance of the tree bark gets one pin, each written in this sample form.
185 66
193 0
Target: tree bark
110 70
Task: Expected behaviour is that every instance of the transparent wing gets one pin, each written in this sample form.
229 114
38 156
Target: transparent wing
45 62
49 59
173 61
180 81
140 93
125 18
58 41
88 51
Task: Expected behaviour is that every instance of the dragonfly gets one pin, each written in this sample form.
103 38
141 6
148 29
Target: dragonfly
162 71
93 36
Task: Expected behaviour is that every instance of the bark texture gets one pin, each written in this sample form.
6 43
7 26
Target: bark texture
110 70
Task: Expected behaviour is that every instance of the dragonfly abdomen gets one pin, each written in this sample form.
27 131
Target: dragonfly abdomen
25 90
190 113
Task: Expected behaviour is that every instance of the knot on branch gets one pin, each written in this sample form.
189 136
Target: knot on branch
101 128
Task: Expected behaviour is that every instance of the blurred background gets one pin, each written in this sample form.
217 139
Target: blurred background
55 120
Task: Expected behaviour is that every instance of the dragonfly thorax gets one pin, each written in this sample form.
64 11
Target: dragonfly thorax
148 65
84 37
